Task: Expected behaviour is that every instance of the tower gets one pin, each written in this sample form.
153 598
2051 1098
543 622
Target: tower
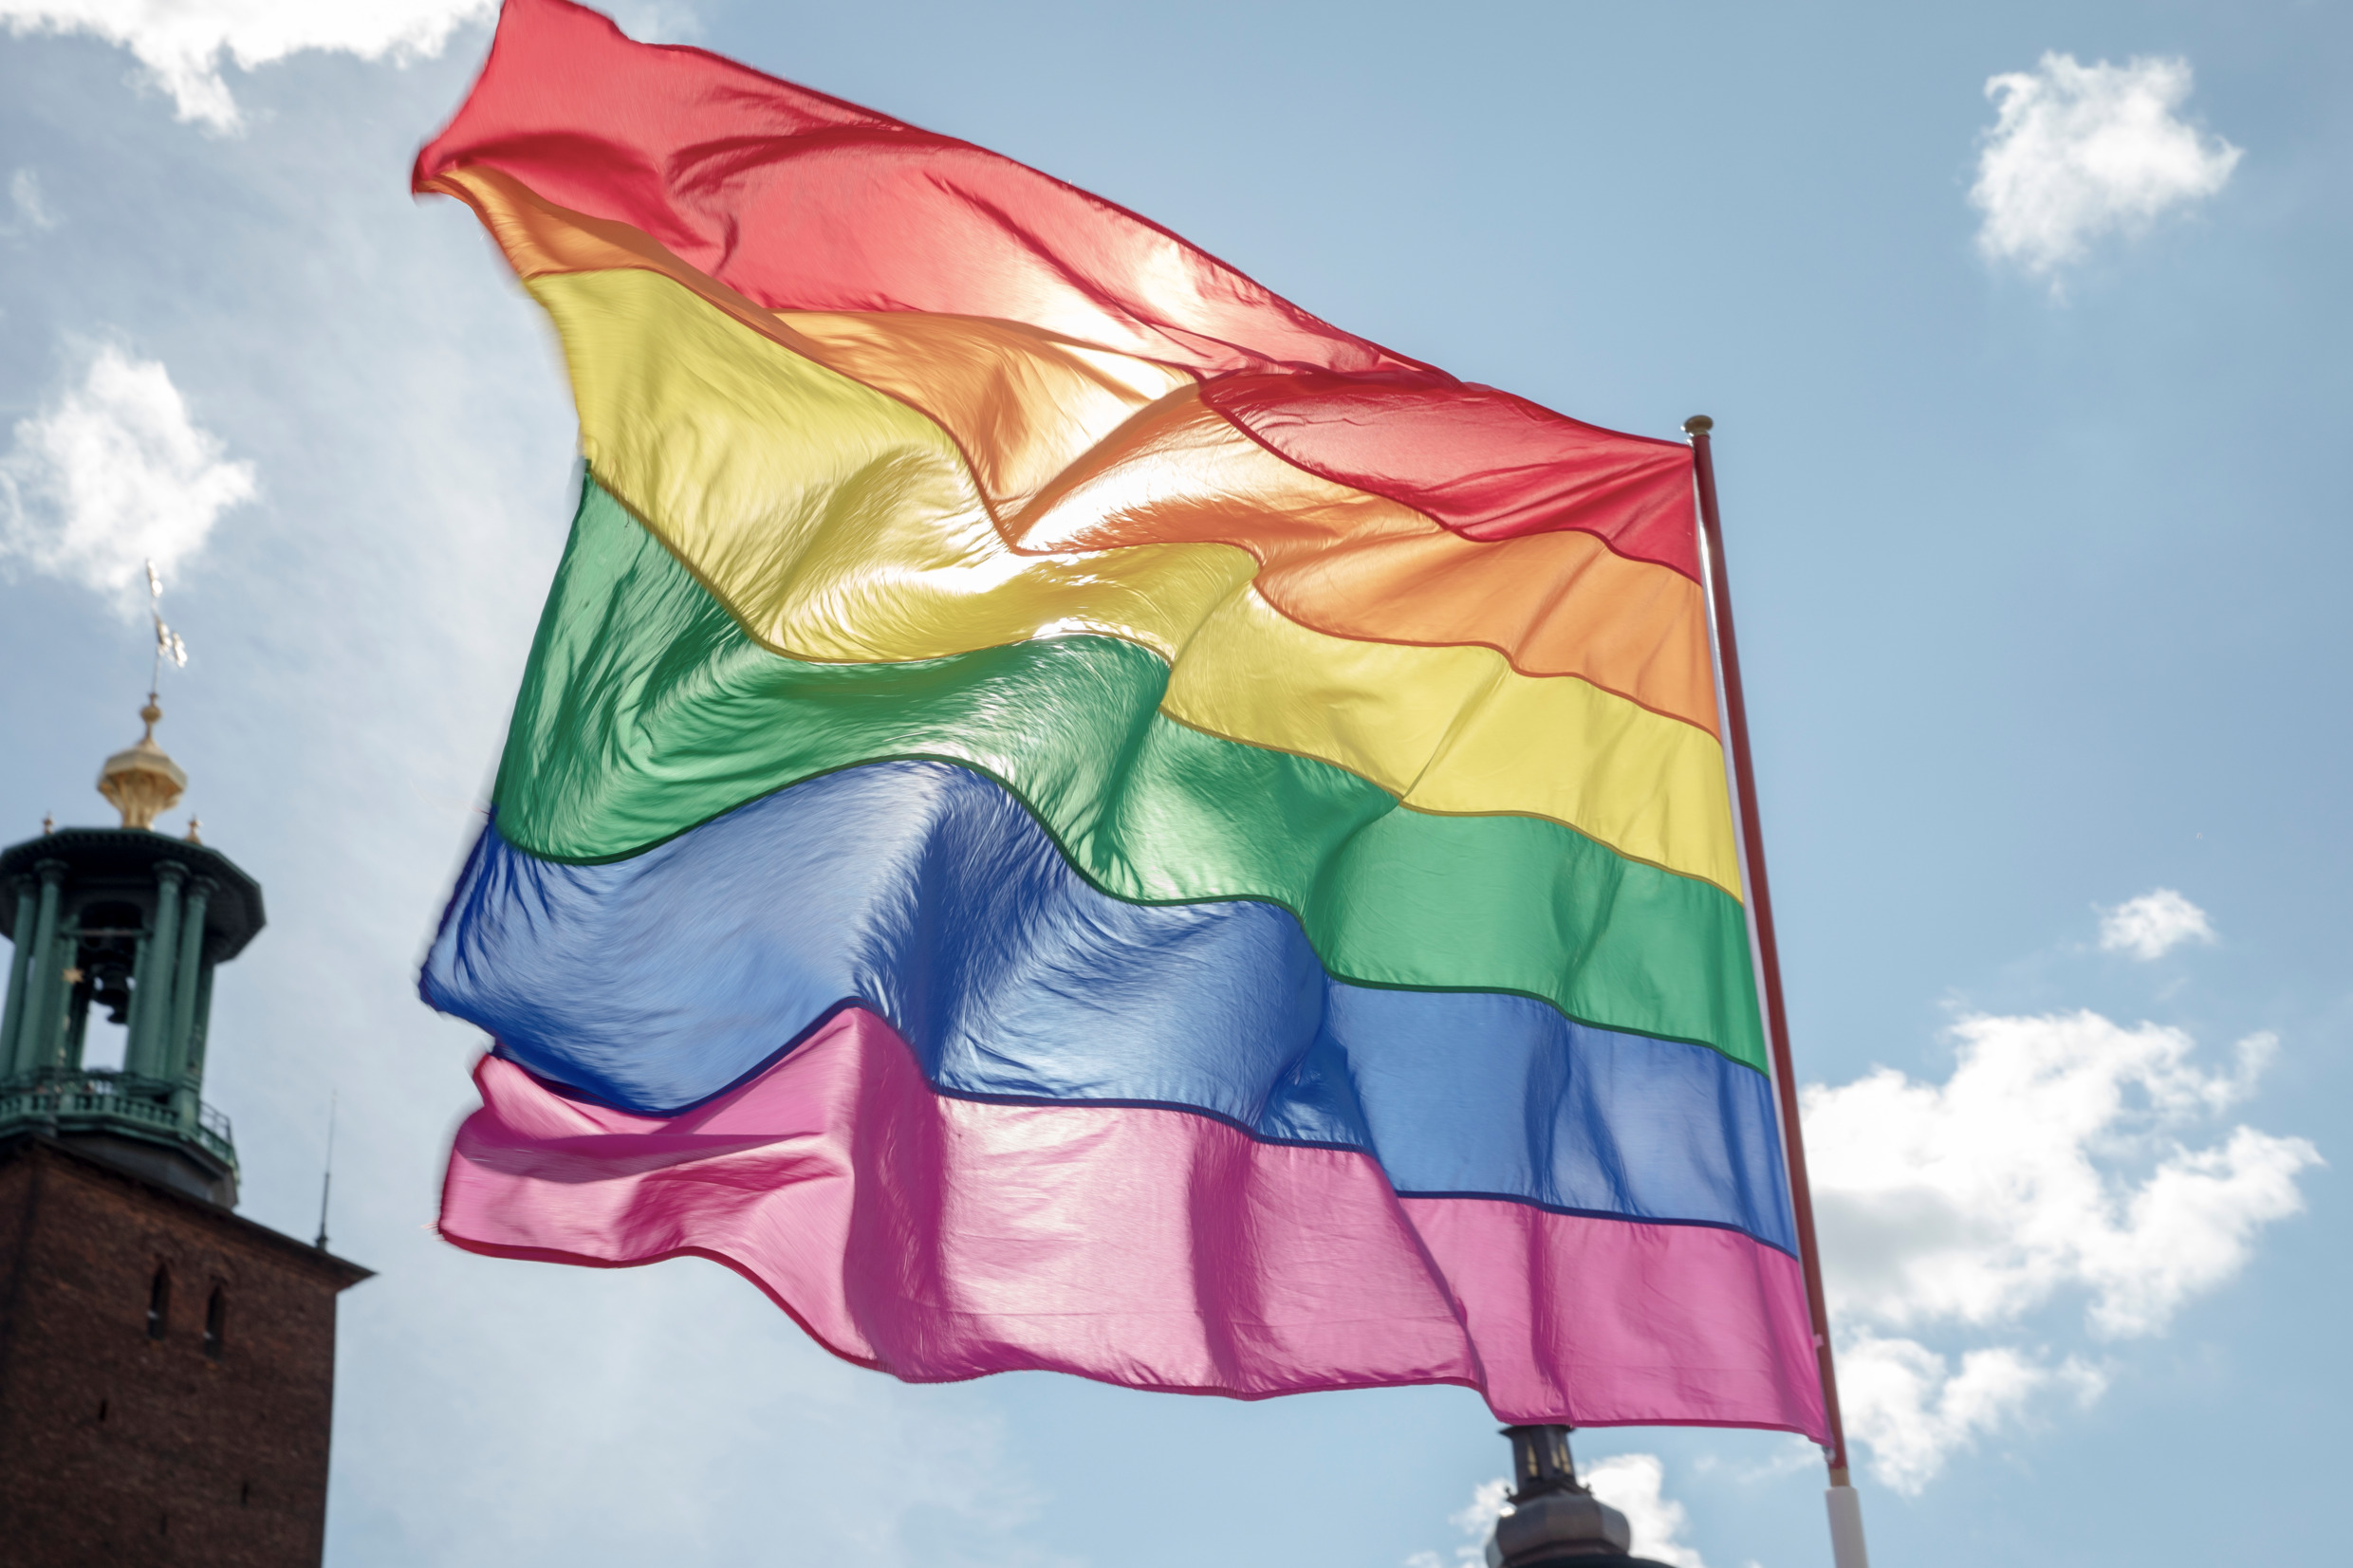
166 1366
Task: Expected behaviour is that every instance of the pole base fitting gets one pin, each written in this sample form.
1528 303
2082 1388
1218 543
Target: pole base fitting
1570 1529
1554 1519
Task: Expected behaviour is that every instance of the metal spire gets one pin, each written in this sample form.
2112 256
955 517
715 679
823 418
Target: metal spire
326 1177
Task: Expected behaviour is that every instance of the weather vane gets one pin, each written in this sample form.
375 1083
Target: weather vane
140 780
168 643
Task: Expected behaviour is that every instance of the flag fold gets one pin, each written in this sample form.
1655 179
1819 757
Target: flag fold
1064 813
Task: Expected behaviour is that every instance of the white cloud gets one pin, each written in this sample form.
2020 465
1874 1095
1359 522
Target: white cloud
2079 152
1486 1505
1976 1200
32 212
113 473
181 42
2153 924
1476 1520
1633 1483
2049 1163
1916 1411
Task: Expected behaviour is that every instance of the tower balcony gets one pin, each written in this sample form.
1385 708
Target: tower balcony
150 1124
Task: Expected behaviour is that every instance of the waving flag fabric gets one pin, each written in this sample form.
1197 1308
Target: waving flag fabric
1066 814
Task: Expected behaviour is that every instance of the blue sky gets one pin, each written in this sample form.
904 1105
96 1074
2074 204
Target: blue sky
2039 557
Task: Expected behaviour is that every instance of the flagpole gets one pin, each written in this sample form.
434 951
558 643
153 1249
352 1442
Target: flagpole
1845 1512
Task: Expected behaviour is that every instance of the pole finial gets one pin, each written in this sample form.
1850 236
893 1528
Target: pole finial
1553 1518
1698 424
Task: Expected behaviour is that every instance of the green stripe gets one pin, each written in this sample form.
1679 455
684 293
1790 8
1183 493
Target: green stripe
648 710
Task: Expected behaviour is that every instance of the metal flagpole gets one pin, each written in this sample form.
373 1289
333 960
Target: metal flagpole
1845 1509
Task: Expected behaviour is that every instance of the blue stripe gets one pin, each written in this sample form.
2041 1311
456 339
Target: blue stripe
926 893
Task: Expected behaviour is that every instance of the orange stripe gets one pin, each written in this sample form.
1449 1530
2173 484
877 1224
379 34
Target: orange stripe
1079 449
1357 565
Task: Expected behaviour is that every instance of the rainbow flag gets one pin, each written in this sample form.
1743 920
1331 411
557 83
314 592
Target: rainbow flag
1066 814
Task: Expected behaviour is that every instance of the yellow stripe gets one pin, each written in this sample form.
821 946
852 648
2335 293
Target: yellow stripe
1077 448
841 524
1457 731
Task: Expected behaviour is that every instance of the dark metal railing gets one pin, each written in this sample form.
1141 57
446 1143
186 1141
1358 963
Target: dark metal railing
88 1097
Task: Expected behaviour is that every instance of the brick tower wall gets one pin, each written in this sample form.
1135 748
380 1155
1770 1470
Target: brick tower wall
120 1447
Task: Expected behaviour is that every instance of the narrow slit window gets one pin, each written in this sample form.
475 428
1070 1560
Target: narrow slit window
215 1322
160 1304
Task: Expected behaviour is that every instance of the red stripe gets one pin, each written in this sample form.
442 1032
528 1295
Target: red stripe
1485 463
941 1239
802 201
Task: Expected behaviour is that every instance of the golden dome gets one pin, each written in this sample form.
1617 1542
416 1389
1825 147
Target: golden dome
141 781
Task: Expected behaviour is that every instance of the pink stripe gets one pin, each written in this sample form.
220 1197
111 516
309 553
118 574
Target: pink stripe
940 1239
